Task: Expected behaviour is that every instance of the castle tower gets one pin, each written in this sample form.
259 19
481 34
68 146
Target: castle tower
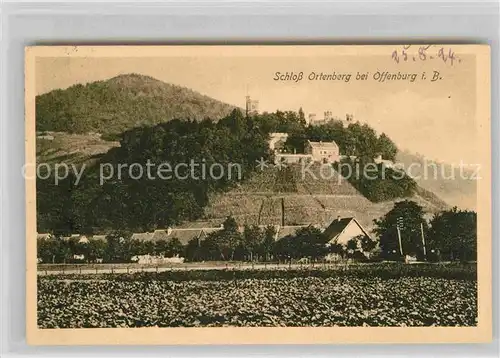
252 106
349 118
311 118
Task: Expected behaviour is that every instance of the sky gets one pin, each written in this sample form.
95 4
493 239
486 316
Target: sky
435 119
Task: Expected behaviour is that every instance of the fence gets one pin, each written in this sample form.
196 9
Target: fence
61 269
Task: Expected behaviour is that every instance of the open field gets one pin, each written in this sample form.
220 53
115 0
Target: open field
369 295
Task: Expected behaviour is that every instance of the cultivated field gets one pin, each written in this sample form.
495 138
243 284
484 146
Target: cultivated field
381 295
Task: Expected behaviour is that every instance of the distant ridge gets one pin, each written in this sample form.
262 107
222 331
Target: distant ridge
121 103
458 191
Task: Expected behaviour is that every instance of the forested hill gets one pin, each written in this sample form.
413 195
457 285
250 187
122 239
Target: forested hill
121 103
103 200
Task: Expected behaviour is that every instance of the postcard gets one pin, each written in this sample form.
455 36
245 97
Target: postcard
295 194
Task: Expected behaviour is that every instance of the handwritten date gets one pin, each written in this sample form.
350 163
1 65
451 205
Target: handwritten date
425 53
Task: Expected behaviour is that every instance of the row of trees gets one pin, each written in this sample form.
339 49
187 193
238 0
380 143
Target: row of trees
450 235
117 247
228 244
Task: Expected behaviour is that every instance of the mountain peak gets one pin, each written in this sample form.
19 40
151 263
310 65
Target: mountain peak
121 103
134 79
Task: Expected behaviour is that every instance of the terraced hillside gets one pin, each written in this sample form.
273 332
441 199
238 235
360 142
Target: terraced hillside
287 197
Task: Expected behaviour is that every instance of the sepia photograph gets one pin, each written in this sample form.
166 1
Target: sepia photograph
258 194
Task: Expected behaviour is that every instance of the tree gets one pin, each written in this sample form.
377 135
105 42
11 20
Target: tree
162 247
352 246
302 117
268 241
367 244
95 250
228 239
137 247
283 249
118 246
386 147
411 216
311 241
454 234
209 248
145 204
51 250
149 248
307 242
175 246
252 240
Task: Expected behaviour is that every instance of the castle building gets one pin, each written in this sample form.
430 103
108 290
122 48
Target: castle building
324 152
349 118
252 106
321 152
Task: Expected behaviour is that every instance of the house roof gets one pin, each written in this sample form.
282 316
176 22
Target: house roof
323 145
184 235
99 237
288 230
338 226
278 135
145 236
160 235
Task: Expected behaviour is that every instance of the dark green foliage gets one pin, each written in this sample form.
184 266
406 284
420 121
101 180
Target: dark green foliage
453 235
123 201
118 247
156 199
376 182
355 139
386 147
228 244
307 242
411 216
253 239
51 250
284 122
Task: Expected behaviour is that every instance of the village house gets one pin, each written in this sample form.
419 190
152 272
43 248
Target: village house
342 230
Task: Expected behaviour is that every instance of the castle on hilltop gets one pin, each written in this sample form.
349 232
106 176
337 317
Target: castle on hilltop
321 152
328 117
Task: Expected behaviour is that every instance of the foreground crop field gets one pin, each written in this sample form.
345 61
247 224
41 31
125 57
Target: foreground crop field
321 300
